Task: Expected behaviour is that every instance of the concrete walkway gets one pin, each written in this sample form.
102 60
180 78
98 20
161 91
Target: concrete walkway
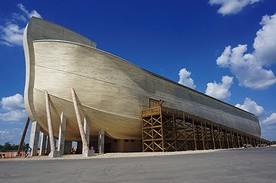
237 165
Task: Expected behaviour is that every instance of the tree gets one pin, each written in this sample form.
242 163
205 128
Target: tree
7 147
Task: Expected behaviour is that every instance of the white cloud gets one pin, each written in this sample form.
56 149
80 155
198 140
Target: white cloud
11 34
265 41
185 78
12 135
270 120
13 108
12 102
14 116
252 69
31 14
220 90
228 7
223 60
251 106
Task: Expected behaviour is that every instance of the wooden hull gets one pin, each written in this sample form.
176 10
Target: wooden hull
110 90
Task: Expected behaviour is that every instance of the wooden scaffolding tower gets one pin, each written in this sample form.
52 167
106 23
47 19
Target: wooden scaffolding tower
166 129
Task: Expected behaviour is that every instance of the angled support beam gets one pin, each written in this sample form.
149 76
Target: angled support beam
23 136
42 144
61 136
53 152
87 124
85 148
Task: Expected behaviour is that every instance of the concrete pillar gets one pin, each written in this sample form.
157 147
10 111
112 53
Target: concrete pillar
34 137
67 147
86 126
43 144
101 141
61 137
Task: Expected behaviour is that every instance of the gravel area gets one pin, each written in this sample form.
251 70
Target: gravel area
113 155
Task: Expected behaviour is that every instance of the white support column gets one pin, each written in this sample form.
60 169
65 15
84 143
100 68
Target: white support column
101 141
61 137
53 152
86 127
34 137
42 144
87 124
85 150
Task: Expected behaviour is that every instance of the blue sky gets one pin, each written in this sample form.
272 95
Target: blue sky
224 48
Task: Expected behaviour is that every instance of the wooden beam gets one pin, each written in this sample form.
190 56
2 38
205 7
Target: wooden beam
219 132
213 138
238 137
23 136
202 136
195 145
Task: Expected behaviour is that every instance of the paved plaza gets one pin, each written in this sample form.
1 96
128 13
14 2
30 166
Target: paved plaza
233 165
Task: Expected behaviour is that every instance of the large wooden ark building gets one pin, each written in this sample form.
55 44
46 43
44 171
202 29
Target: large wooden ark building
76 92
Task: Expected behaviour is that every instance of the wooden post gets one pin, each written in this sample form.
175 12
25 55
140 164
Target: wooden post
175 132
227 141
194 134
213 138
206 136
184 131
152 135
242 140
23 136
232 138
202 136
82 133
219 132
238 137
162 129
